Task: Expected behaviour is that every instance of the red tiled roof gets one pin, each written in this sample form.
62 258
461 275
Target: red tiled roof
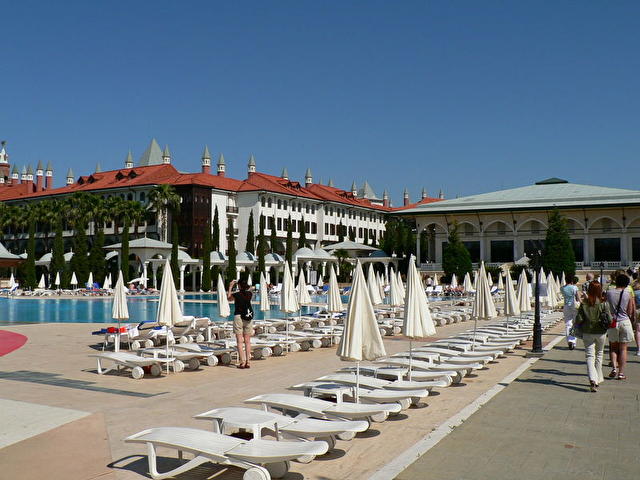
333 194
421 202
167 174
271 183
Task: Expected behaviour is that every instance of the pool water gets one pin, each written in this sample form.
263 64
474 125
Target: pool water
141 309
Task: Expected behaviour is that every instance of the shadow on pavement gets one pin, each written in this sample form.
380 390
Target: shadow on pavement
578 387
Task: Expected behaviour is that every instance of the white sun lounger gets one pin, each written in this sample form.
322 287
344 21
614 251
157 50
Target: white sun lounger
323 409
300 427
443 357
428 366
262 459
404 398
449 352
399 373
373 382
190 357
133 362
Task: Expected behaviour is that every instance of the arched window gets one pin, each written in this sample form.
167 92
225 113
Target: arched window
269 202
262 202
142 197
279 204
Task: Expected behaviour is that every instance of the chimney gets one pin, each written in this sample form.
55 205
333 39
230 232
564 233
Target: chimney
385 198
285 174
166 155
221 166
308 178
15 175
30 176
441 195
206 161
405 197
251 166
5 168
39 175
48 181
70 180
128 162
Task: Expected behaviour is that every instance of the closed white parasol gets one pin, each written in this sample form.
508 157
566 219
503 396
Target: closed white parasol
361 338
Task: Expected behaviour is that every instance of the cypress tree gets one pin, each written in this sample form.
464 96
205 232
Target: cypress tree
352 234
289 247
251 236
558 256
206 259
274 237
79 263
387 243
455 257
30 265
97 263
175 269
262 246
57 254
215 234
124 252
366 236
231 272
302 239
340 232
373 240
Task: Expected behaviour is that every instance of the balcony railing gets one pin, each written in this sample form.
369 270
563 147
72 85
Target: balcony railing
231 209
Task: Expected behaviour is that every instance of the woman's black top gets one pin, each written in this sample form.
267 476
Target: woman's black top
242 303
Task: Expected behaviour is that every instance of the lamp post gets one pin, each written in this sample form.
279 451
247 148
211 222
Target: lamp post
536 259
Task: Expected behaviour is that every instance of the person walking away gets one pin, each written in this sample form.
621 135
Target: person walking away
571 296
585 285
242 320
594 334
623 309
636 326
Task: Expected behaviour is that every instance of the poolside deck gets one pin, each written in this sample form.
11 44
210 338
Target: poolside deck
65 421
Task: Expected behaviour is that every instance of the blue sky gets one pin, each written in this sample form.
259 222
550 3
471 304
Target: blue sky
466 97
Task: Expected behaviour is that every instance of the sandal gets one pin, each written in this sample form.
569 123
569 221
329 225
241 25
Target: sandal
622 376
241 366
246 365
594 386
613 374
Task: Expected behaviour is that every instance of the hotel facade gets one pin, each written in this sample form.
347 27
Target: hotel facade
503 226
324 209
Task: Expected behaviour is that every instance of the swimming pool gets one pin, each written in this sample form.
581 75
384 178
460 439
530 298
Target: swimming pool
98 310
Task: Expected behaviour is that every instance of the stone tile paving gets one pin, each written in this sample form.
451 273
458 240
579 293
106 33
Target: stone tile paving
546 424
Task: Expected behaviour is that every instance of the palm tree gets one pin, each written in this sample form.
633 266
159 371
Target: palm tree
163 199
137 214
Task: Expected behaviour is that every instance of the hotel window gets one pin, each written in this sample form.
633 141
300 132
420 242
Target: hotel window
142 196
314 227
279 223
269 202
333 229
262 202
299 207
360 232
313 209
326 229
279 204
306 208
306 226
285 204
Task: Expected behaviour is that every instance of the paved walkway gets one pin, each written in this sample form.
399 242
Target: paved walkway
546 424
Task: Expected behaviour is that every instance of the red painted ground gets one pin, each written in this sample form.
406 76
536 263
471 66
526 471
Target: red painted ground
10 341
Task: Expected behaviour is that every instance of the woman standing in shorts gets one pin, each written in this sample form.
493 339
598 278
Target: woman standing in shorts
623 309
242 320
